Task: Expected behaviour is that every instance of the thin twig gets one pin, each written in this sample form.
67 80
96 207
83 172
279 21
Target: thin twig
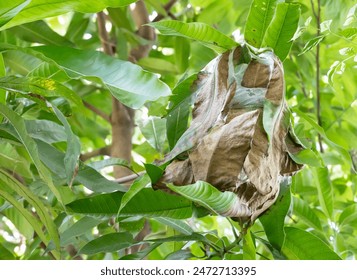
129 178
318 93
96 111
104 151
103 34
167 8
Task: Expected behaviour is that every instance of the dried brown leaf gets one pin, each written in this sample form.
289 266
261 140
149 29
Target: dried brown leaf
238 139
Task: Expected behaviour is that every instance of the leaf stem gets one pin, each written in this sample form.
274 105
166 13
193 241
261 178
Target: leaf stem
98 152
317 59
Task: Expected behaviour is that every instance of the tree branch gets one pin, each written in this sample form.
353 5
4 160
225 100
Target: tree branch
167 8
317 60
141 17
103 34
96 111
104 151
129 178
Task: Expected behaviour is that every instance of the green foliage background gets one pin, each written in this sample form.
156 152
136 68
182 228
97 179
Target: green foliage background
54 206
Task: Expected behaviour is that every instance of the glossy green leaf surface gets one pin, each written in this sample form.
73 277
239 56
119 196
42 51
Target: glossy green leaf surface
208 196
147 203
273 219
41 86
126 81
34 10
203 33
302 245
304 211
108 243
324 188
260 15
282 28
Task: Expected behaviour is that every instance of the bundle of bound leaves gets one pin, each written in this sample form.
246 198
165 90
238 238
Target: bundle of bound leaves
240 138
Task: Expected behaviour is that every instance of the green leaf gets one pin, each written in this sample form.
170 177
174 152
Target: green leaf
158 65
302 245
5 254
348 33
99 165
273 219
40 32
321 131
312 43
111 242
97 205
150 203
178 225
324 188
36 224
154 172
307 157
9 9
248 246
77 27
179 238
20 222
80 227
157 6
89 177
46 220
126 81
2 74
182 53
42 86
39 9
260 15
179 111
201 32
348 216
31 147
220 203
46 131
282 29
302 209
179 255
10 157
73 151
139 184
154 130
146 203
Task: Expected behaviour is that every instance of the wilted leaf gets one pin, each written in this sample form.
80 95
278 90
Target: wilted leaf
240 138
